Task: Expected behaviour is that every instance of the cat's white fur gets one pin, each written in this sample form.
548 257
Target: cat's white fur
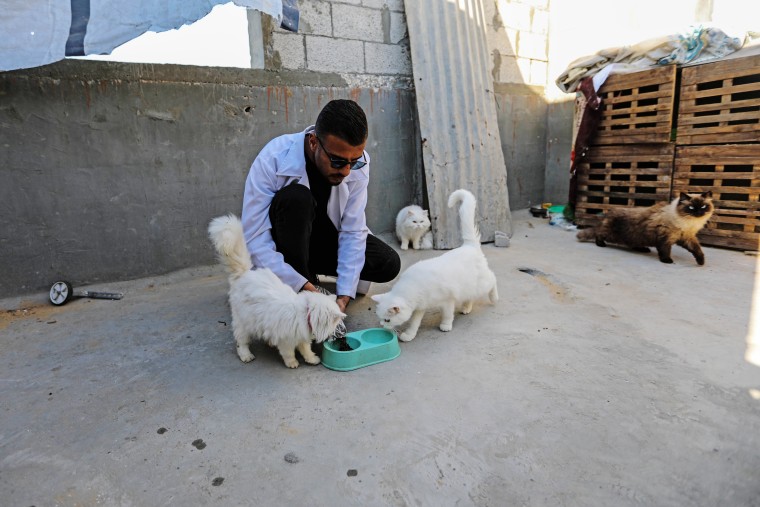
264 307
448 282
413 226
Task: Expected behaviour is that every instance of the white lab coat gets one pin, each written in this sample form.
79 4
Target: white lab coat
280 163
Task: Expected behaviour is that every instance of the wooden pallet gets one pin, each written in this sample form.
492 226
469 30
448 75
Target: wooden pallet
637 107
720 102
732 173
626 175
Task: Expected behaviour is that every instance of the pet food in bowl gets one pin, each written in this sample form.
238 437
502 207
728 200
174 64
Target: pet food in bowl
360 349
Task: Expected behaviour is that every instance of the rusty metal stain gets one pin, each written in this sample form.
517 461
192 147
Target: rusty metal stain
87 93
29 310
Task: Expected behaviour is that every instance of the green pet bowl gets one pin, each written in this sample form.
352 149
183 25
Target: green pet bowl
368 347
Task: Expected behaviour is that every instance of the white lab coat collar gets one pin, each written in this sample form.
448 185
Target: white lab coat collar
293 167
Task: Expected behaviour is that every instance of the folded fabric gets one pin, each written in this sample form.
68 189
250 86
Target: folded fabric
701 44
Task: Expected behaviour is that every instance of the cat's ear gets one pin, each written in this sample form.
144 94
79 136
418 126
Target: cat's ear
684 197
426 213
409 213
707 195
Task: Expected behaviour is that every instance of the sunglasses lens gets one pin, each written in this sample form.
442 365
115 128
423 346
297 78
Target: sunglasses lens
341 163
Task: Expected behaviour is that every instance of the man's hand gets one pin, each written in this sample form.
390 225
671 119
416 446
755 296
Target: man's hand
310 287
343 302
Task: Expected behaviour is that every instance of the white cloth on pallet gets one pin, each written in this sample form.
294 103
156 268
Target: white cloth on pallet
699 45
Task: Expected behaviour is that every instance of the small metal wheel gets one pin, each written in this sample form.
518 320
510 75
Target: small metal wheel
61 293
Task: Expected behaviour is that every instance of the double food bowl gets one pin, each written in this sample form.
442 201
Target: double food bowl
364 348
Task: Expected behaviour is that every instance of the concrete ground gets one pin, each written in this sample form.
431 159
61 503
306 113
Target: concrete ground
602 377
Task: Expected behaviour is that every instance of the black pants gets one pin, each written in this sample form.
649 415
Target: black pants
310 243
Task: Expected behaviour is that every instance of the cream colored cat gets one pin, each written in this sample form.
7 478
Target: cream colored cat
413 227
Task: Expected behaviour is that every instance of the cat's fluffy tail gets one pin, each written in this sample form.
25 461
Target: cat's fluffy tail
426 243
587 234
226 233
467 202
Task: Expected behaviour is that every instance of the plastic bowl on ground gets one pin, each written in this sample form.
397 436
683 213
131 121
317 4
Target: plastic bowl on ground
368 347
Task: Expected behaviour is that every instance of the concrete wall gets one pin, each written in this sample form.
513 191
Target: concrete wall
364 41
517 33
559 134
112 171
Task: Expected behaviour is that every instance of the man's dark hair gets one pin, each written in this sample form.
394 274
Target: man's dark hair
344 119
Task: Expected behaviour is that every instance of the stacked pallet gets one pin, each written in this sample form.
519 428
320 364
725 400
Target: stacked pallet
630 162
657 139
719 147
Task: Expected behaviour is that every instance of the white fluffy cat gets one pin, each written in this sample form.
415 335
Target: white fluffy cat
413 226
264 307
449 282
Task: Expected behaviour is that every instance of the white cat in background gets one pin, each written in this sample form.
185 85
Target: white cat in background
413 226
449 282
264 307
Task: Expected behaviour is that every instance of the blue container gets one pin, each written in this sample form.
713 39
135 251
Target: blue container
368 347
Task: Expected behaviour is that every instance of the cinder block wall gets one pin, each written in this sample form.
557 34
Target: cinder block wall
517 34
365 41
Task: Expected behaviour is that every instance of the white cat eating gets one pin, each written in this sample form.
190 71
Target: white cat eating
449 282
264 307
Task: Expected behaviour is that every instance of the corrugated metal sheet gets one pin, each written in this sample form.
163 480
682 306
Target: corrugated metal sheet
457 113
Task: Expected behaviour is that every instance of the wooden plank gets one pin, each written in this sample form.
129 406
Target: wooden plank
751 222
633 119
661 196
638 79
753 214
648 150
664 96
712 175
631 139
736 137
734 152
728 234
637 184
628 101
707 238
706 72
733 100
725 190
729 213
693 95
724 115
612 173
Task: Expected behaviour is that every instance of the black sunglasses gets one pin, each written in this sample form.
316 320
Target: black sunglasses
340 162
